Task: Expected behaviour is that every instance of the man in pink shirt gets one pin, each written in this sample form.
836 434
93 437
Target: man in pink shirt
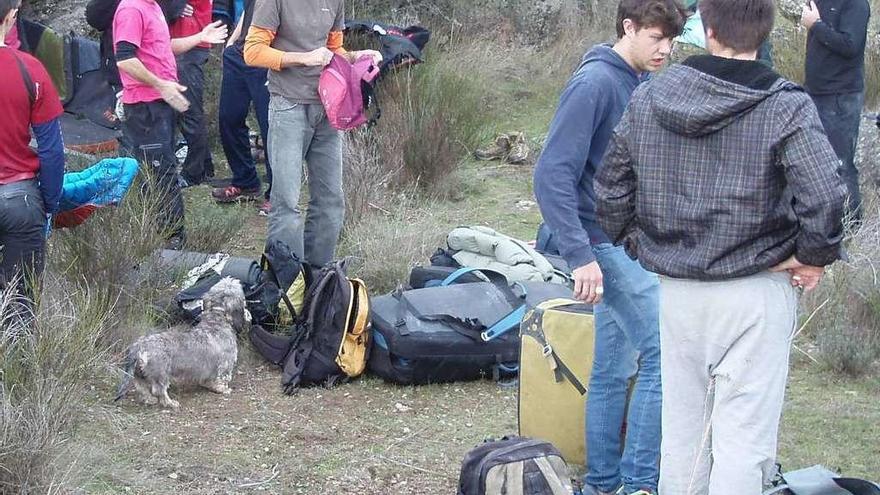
151 95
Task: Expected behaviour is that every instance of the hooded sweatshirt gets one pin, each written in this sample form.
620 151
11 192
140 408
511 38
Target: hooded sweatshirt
590 106
720 169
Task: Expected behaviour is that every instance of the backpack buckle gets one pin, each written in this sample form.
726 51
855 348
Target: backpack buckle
547 350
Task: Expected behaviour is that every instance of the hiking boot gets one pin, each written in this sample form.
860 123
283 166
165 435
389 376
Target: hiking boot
231 194
519 148
265 208
496 151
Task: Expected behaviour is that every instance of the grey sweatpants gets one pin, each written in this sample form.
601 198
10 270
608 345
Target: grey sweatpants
724 363
296 132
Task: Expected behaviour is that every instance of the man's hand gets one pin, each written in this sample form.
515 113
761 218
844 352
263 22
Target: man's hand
377 57
319 57
214 33
172 93
188 11
588 283
804 276
809 15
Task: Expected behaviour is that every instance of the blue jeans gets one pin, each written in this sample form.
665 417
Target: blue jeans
627 343
841 115
242 85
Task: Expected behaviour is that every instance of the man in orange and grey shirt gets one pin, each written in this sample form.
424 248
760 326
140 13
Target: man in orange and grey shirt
295 39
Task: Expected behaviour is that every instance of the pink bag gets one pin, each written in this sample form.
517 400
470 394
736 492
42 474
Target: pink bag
346 90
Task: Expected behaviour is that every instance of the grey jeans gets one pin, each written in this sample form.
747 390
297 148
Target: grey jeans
300 132
22 233
724 363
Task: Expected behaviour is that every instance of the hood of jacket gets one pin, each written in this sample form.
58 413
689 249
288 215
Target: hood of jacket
605 54
706 94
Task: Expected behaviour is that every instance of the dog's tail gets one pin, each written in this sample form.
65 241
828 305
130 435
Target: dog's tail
127 374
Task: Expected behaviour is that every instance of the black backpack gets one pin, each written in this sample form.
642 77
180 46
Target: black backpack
514 466
819 480
399 46
329 342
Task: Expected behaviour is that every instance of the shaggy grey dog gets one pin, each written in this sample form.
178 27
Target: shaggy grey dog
202 355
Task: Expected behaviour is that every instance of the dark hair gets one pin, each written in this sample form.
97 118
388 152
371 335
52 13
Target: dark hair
739 24
668 15
6 6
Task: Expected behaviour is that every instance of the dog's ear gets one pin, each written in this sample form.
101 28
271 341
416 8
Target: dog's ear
235 305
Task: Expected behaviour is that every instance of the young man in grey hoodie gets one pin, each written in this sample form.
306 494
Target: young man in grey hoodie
720 179
624 294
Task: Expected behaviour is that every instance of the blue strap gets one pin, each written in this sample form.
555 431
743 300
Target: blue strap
505 324
452 277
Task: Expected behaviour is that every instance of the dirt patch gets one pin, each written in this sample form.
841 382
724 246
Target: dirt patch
363 437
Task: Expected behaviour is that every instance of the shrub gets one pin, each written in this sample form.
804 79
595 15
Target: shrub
847 328
368 178
387 246
45 366
211 227
431 118
104 256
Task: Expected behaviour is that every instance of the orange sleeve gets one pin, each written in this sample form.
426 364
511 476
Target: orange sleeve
334 43
258 51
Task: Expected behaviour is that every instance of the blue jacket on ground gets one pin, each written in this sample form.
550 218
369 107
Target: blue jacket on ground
590 107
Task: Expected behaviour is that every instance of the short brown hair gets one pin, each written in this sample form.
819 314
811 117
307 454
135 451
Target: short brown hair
7 6
668 15
742 25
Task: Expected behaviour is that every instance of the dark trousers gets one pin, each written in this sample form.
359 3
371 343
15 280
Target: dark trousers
242 85
22 235
149 132
841 115
193 125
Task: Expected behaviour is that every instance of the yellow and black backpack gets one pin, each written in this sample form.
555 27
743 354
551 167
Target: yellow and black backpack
329 341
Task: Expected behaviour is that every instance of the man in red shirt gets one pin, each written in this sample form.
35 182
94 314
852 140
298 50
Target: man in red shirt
198 165
151 95
30 182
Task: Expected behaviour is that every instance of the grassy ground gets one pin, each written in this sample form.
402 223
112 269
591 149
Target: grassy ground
373 438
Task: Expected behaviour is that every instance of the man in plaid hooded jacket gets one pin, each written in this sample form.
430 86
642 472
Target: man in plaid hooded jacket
720 179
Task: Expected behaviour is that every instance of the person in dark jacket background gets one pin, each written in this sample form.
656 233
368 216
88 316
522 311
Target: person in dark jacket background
198 166
625 295
720 179
835 79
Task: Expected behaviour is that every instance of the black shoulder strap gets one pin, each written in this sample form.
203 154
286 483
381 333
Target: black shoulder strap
369 94
26 76
274 276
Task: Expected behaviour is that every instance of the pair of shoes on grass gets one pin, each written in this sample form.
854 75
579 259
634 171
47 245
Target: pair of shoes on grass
510 147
